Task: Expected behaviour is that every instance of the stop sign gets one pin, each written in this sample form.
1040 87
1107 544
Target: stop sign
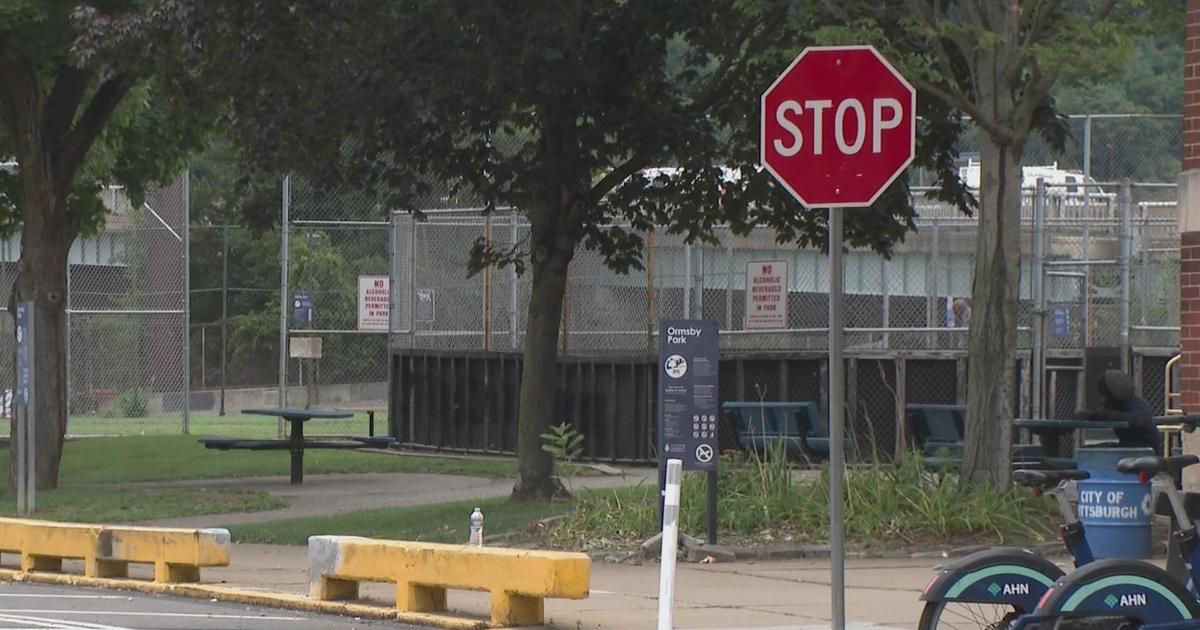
838 126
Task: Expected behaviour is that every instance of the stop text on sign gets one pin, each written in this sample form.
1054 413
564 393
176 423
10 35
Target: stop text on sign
849 124
838 126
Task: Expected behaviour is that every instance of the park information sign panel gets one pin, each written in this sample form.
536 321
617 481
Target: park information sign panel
374 303
766 295
303 312
689 355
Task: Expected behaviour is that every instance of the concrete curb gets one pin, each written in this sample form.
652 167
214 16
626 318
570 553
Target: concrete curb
237 595
720 553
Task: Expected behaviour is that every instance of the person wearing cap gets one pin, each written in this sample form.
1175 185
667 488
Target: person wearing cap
1119 403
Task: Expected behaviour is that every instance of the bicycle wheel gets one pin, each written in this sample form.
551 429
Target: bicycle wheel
943 615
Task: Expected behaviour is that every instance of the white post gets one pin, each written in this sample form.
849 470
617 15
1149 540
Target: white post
670 545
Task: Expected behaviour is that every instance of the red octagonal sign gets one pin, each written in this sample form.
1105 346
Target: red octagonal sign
838 126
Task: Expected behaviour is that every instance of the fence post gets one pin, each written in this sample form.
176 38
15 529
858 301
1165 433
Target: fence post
1144 277
1087 232
901 405
960 380
729 283
931 310
1039 296
186 242
412 282
514 320
284 299
1126 243
650 292
887 306
1024 369
487 286
687 281
224 312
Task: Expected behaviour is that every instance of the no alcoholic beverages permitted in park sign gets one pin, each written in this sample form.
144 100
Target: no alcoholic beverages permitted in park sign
766 295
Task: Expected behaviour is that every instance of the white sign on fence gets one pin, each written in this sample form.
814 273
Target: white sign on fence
766 295
374 302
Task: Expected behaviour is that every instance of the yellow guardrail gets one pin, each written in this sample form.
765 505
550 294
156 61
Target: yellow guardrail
107 551
518 580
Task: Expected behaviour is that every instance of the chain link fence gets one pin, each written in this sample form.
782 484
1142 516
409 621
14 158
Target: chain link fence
126 366
907 315
1099 263
905 303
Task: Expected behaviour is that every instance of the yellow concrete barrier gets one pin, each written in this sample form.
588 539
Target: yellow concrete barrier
518 580
107 551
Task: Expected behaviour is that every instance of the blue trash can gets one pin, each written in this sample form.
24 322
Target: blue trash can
1114 507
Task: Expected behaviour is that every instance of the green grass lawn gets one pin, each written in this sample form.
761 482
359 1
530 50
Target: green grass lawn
208 425
178 457
444 523
112 504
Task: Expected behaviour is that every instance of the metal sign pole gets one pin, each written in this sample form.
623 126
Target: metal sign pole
19 415
23 397
837 444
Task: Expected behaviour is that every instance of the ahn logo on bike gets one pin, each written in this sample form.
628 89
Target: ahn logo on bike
1019 588
1125 601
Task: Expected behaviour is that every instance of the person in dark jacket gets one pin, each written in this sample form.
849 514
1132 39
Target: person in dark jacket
1119 403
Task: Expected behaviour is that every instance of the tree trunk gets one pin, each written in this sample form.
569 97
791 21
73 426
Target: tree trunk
993 325
46 239
552 250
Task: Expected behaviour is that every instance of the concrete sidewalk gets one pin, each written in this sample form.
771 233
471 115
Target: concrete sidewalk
322 495
791 594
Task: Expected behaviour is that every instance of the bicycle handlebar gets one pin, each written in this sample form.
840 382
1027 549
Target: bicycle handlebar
1189 421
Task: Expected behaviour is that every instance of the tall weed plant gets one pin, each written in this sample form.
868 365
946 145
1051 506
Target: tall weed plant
896 501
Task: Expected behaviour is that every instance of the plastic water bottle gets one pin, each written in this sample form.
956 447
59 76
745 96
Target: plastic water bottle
476 528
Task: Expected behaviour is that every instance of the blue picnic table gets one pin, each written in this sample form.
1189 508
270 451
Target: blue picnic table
296 444
1051 432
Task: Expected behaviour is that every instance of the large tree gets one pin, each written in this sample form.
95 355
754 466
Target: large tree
82 109
554 108
996 61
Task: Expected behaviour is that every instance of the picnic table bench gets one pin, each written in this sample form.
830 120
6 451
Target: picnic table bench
296 443
799 426
937 431
370 410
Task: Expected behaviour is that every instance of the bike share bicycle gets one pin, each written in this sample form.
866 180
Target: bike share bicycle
1013 588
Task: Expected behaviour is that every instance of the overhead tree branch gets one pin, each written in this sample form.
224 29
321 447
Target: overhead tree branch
1104 10
1037 25
613 178
65 96
85 132
21 98
707 96
959 100
1038 87
953 93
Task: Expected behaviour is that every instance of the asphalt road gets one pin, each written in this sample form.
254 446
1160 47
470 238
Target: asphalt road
29 607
